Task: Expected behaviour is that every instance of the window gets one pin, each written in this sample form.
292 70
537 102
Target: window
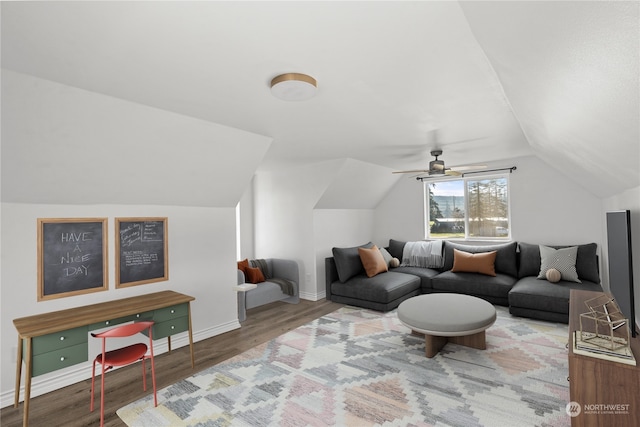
467 208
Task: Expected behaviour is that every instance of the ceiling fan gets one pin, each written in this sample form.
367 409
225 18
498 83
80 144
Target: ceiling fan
437 167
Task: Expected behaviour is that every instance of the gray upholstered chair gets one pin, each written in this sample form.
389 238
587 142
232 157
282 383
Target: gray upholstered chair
270 290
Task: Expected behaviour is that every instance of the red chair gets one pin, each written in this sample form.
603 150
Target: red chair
123 356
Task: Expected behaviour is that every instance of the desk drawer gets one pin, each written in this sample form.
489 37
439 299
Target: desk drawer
59 340
147 315
170 327
58 359
172 312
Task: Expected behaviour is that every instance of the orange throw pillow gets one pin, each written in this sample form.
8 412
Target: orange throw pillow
254 275
372 260
466 262
243 265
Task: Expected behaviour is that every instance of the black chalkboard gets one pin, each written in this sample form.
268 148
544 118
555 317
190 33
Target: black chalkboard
141 246
72 257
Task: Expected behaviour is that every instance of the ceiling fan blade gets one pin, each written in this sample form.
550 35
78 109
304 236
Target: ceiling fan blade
468 167
450 172
412 171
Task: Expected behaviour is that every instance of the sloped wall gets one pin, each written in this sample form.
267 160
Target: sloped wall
570 73
67 145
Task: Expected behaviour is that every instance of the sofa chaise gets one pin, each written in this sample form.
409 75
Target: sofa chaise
515 283
541 299
270 290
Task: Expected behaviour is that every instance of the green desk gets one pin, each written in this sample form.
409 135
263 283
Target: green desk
51 341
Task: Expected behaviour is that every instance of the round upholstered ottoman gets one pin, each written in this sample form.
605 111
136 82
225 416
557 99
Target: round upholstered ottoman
441 318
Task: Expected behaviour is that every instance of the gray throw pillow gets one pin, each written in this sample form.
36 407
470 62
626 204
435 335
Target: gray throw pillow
563 260
348 261
386 255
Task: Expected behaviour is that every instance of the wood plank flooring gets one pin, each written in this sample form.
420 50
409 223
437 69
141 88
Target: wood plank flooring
70 406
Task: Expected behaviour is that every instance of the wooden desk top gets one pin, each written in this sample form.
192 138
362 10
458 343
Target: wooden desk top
55 321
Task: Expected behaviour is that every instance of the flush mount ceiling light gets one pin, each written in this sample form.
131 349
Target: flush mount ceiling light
293 87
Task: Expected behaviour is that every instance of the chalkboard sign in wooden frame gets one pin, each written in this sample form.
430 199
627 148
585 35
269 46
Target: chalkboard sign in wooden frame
72 257
142 254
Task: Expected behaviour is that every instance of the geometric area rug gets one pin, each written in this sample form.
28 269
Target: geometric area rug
357 367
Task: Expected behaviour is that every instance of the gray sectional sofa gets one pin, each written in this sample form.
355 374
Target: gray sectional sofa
269 291
515 284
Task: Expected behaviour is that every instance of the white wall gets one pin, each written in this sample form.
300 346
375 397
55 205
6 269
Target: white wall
201 264
283 206
549 208
246 229
400 215
628 200
546 208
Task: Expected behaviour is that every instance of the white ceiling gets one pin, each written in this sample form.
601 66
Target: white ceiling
497 80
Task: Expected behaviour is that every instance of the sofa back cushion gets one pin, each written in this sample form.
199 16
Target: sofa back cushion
505 255
396 248
348 261
586 261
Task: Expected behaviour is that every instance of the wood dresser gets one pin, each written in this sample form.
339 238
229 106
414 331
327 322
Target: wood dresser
607 392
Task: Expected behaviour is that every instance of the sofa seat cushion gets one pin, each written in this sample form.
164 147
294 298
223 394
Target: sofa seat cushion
383 288
425 275
536 294
265 293
497 286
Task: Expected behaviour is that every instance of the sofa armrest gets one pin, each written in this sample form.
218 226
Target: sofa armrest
330 274
286 269
241 278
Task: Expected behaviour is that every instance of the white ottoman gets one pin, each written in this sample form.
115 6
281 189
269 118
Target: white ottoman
441 318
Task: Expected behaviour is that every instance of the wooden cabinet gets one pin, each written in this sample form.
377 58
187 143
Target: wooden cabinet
603 393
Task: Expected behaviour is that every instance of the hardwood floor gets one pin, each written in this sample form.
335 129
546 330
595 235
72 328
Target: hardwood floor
70 406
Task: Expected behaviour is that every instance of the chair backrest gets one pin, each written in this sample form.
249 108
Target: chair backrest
125 330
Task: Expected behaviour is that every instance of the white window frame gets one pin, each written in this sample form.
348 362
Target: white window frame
466 237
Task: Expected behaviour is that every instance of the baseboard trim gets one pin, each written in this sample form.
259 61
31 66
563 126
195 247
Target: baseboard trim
312 297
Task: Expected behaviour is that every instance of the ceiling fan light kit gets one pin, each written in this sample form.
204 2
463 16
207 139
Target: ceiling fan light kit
436 167
294 87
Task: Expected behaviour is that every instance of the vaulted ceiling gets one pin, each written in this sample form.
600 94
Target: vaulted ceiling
484 81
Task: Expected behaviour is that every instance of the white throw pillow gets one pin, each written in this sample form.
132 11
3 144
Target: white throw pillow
563 260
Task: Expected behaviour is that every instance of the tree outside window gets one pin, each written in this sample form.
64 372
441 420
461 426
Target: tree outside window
469 208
